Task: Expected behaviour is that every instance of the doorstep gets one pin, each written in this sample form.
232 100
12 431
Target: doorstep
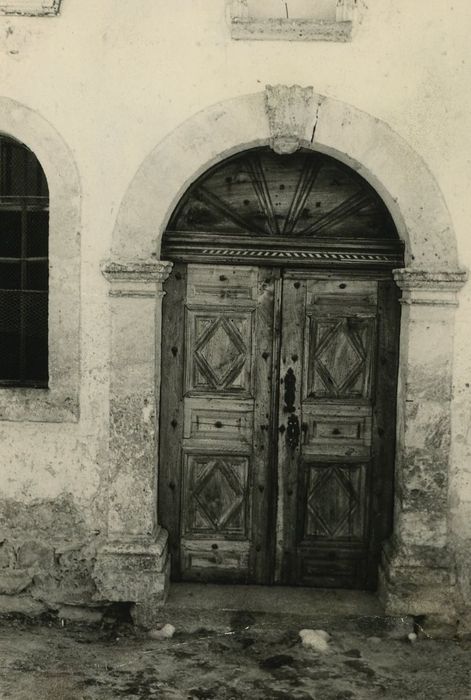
222 608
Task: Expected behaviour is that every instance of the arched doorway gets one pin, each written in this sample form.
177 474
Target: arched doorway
279 370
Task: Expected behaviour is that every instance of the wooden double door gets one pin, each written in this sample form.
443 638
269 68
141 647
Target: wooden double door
277 424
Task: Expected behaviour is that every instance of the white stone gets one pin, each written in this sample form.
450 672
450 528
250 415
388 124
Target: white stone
165 632
315 639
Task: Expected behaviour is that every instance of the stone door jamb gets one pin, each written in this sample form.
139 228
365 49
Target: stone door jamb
133 564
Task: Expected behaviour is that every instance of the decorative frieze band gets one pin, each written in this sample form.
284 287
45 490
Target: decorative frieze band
430 287
136 278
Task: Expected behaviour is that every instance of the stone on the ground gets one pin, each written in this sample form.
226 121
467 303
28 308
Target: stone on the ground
165 632
374 640
315 639
75 613
412 637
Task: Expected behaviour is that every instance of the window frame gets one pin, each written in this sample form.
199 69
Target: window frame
22 185
59 402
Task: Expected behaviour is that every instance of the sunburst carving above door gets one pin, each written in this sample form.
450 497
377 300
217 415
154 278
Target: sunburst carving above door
264 194
304 207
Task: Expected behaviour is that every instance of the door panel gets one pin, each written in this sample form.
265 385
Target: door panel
223 465
329 346
277 432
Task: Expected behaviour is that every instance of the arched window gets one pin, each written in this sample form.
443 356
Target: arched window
24 224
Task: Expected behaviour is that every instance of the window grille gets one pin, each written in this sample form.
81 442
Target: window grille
24 225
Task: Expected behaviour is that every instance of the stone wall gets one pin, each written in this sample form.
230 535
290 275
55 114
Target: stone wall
47 556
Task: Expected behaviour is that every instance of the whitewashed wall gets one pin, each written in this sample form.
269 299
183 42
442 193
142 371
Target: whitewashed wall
115 77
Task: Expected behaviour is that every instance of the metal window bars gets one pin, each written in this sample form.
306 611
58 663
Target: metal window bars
24 224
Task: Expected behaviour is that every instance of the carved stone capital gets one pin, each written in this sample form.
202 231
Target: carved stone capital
136 278
436 287
291 112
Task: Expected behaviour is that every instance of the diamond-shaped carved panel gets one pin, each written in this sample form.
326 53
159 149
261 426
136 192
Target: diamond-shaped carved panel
334 502
340 358
216 495
219 351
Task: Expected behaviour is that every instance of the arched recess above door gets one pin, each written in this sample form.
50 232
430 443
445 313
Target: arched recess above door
304 208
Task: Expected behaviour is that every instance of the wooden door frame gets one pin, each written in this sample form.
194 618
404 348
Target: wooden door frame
169 487
416 576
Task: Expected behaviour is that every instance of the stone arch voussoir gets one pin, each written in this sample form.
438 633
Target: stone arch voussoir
362 141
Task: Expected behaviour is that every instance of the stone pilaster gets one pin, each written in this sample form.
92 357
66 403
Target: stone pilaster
417 574
133 563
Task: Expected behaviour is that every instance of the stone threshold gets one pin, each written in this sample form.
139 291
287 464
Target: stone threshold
224 608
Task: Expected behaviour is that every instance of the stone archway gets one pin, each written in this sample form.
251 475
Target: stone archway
417 571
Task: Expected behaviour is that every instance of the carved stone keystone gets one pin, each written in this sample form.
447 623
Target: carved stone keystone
291 112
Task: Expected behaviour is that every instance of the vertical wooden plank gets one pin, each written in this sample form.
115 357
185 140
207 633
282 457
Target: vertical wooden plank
330 512
171 410
228 324
264 448
384 423
290 400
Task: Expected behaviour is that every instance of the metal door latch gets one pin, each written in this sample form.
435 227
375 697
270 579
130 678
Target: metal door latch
292 432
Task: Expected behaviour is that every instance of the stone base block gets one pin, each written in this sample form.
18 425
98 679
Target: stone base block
135 571
412 585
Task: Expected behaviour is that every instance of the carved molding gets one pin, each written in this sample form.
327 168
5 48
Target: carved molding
291 112
337 21
430 287
299 256
135 545
136 278
30 8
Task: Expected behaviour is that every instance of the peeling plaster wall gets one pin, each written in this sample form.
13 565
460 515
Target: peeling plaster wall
114 78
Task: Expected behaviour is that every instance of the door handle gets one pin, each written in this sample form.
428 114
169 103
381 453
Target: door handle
290 391
292 431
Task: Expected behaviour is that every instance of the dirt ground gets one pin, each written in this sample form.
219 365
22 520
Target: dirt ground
79 663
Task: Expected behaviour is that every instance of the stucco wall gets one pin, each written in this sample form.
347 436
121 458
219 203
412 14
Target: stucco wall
114 78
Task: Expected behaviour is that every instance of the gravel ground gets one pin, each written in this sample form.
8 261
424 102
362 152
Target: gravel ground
80 663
